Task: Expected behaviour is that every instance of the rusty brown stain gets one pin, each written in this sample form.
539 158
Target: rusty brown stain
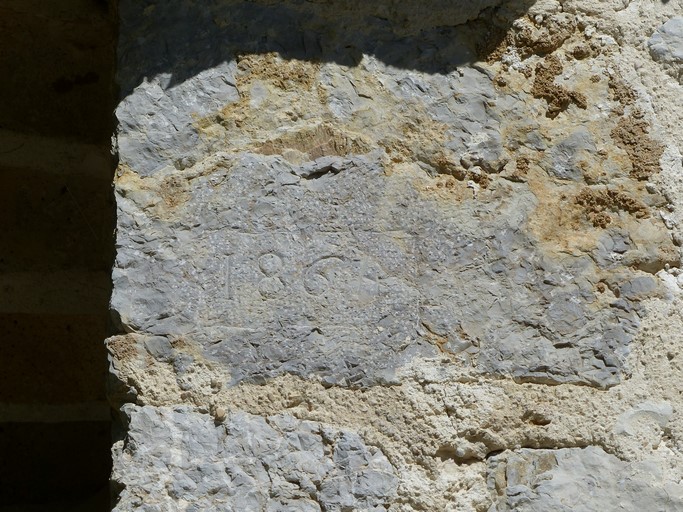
632 135
558 97
316 142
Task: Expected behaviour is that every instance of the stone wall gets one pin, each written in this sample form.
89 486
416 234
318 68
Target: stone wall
398 256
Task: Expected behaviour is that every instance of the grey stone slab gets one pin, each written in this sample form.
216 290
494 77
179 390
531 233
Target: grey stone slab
337 268
334 277
177 459
666 46
578 480
178 39
566 158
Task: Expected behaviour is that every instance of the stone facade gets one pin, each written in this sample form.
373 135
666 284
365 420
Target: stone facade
398 256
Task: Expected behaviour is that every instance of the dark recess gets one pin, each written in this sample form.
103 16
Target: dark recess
57 219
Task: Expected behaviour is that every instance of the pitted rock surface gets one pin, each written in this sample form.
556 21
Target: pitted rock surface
295 228
442 238
172 71
336 270
666 46
179 459
578 479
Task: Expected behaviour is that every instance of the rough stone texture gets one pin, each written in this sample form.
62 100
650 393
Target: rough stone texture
666 46
313 261
249 463
578 479
450 231
179 71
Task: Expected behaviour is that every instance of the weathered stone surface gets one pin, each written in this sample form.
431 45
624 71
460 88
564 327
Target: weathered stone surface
317 261
173 72
450 231
335 269
181 460
578 480
666 46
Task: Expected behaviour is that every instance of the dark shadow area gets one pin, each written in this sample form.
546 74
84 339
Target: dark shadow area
55 81
182 38
57 219
59 469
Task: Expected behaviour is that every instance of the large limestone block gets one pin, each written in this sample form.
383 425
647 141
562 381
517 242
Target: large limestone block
336 270
438 231
176 459
284 210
